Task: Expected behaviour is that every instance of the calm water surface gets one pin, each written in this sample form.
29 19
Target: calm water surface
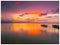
32 33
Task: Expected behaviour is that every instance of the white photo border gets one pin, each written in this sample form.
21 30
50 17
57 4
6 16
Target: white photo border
29 44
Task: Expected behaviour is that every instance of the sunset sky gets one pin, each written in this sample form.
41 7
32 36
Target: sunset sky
9 9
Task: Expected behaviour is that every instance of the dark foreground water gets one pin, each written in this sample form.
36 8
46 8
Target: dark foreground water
28 33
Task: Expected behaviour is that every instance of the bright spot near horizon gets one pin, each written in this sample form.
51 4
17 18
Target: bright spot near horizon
34 12
30 15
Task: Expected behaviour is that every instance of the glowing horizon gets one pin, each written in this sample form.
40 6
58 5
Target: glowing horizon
11 10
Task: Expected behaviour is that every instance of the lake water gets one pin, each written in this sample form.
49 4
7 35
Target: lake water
28 33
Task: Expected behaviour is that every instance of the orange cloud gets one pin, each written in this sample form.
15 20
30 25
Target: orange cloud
34 12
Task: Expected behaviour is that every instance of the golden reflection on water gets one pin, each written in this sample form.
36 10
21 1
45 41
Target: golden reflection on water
34 32
30 28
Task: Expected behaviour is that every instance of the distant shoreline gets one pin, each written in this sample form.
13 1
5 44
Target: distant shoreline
34 22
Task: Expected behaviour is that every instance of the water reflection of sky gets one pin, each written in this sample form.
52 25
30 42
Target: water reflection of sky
28 33
33 28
